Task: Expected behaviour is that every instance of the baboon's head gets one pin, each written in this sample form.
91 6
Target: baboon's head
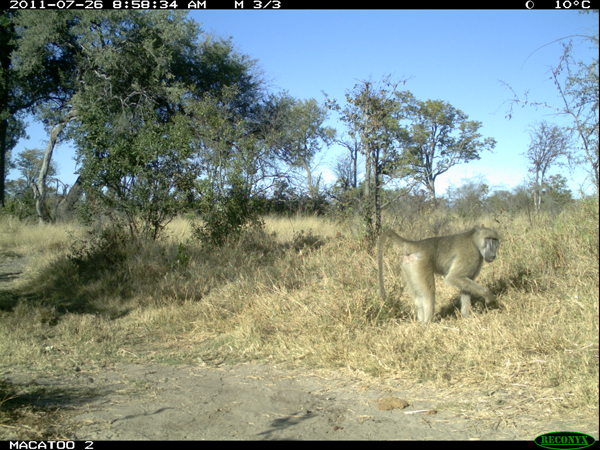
487 242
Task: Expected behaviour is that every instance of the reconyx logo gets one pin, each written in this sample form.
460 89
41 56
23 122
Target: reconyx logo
564 439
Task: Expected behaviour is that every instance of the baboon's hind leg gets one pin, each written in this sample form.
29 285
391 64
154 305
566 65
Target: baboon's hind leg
422 286
427 307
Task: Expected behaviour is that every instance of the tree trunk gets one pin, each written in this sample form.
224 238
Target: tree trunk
537 193
6 35
377 193
354 156
3 127
367 192
431 189
39 188
311 189
65 208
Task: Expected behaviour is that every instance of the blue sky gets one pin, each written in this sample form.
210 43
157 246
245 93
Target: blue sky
452 55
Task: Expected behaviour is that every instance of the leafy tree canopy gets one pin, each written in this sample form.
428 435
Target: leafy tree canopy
439 136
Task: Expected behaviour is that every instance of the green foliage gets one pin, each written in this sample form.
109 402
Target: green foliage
221 67
20 201
549 143
557 190
514 201
438 137
103 249
402 137
371 116
302 135
227 214
229 150
133 137
29 162
239 149
153 109
468 199
224 140
182 259
287 201
145 177
27 78
21 205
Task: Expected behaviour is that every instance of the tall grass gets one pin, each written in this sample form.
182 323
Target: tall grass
25 237
303 292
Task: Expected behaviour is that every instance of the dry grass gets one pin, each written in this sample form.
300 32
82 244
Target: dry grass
28 237
307 296
288 228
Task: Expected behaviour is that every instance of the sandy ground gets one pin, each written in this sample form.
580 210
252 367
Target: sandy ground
254 402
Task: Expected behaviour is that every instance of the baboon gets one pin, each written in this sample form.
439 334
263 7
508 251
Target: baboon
457 257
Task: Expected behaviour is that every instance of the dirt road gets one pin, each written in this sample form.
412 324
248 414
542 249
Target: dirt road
251 402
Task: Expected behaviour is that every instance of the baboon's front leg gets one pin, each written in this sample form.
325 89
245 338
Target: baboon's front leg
465 303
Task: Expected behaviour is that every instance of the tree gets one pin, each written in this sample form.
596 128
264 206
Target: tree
344 171
30 73
548 144
238 152
224 142
130 85
29 162
132 134
468 199
130 77
47 52
146 176
347 167
438 137
23 190
9 164
73 54
557 190
577 84
371 115
579 94
39 191
305 137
